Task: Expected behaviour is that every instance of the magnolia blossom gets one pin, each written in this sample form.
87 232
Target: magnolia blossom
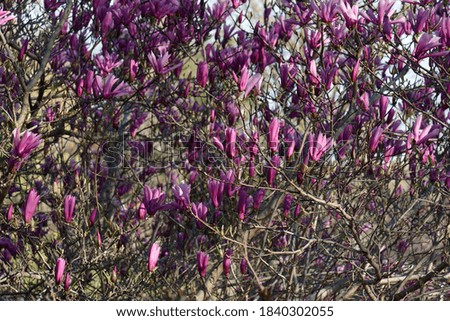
181 194
59 270
153 200
420 137
227 261
30 205
375 138
272 137
69 208
200 211
153 256
22 148
215 189
318 145
202 263
5 16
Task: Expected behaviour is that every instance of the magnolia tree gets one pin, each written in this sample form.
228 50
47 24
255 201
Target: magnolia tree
224 150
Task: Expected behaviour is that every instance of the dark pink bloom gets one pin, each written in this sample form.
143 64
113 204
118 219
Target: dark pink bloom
202 73
69 208
355 71
272 137
290 141
243 266
30 206
326 10
287 203
228 178
133 69
375 138
153 257
110 87
318 145
99 239
5 16
93 216
107 62
258 198
287 74
202 263
9 213
426 43
59 270
242 203
181 194
107 23
162 8
23 50
313 76
420 137
153 200
22 148
350 13
200 211
230 137
271 169
227 261
142 211
160 64
67 282
218 143
254 83
215 189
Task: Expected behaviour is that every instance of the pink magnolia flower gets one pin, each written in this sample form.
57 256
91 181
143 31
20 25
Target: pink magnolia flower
153 256
287 74
375 138
107 62
350 13
272 137
59 270
9 213
242 203
271 169
142 211
426 43
202 263
110 87
30 205
228 178
5 16
227 261
215 189
69 208
326 10
153 200
230 147
318 145
202 73
200 211
93 216
247 83
243 266
420 137
160 64
218 143
67 282
162 8
22 148
181 194
258 198
313 76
